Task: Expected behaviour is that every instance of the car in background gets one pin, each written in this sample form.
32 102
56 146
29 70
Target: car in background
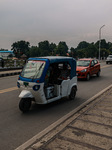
109 59
87 67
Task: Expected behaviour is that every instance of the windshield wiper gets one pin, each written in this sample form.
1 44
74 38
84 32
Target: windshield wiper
37 71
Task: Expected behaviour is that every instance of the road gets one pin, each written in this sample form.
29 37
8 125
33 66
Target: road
16 127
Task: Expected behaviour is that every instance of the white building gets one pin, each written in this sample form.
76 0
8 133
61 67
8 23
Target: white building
5 54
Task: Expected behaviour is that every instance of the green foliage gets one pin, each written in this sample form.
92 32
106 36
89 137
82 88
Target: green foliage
85 49
91 51
20 47
103 44
10 55
73 52
104 52
3 49
82 45
52 48
34 51
110 49
44 48
62 49
44 45
80 53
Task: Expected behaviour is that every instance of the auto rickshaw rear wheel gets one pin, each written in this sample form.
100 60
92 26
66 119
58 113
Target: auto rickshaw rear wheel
25 104
73 93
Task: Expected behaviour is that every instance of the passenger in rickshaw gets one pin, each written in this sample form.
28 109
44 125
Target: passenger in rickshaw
65 72
54 74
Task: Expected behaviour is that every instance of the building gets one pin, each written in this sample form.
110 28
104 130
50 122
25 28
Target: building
5 54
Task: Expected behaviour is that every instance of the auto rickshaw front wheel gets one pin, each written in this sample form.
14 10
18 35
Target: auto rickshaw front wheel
25 104
73 93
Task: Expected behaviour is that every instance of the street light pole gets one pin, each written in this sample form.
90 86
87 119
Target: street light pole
100 39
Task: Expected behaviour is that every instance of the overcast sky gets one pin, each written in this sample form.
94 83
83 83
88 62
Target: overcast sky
71 21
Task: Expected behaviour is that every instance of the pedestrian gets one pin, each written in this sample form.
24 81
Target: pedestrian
15 63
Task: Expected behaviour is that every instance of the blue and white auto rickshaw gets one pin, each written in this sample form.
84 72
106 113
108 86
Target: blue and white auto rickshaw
47 79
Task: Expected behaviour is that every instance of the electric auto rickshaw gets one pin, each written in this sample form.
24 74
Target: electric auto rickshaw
47 79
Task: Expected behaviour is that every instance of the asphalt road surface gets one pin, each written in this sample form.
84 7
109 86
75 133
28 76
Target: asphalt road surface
16 127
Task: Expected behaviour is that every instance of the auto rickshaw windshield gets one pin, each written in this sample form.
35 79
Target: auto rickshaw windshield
33 69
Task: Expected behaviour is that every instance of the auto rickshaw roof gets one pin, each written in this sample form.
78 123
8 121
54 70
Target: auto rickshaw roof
53 59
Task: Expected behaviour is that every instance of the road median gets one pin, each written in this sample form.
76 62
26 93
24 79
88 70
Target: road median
10 72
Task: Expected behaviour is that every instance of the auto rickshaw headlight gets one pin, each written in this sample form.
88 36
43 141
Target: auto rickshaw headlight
18 84
36 87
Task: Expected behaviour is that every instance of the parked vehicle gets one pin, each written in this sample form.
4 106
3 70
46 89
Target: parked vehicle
87 67
47 79
109 59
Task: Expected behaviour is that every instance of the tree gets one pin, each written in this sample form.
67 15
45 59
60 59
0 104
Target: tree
80 53
20 47
106 48
104 52
44 45
103 44
52 48
88 50
110 47
62 49
34 52
110 50
3 49
44 48
82 45
10 55
73 52
91 51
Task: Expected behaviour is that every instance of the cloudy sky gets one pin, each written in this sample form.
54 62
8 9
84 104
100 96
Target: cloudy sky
71 21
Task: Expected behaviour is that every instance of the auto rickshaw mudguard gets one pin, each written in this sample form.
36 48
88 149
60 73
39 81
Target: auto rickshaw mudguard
25 94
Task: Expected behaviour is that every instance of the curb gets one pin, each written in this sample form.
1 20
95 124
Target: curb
9 74
53 126
9 69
